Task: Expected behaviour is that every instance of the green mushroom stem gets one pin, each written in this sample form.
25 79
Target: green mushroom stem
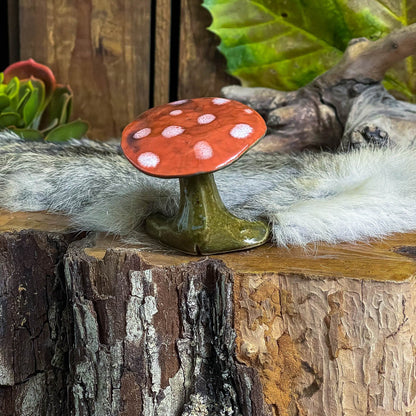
203 225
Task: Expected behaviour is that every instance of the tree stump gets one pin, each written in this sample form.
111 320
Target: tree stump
92 326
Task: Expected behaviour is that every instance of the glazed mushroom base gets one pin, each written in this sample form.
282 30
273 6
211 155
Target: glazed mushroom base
203 225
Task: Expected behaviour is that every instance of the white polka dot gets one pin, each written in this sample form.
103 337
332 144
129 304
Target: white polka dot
175 112
148 160
220 101
248 111
179 102
206 118
241 131
203 150
142 133
172 131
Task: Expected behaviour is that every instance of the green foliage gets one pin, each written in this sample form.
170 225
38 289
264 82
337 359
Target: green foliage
34 106
285 44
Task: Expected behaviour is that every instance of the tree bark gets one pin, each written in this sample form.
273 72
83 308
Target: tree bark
91 326
33 347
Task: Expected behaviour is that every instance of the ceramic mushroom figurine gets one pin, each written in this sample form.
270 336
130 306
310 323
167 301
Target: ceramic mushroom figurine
190 139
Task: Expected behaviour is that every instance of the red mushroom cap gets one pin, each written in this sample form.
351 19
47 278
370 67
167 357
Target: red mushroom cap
189 137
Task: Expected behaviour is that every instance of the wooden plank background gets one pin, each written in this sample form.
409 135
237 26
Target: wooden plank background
118 55
202 68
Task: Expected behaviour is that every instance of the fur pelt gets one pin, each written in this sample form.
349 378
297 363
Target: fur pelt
306 198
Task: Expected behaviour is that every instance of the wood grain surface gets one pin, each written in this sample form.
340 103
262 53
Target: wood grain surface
101 48
162 52
202 69
383 260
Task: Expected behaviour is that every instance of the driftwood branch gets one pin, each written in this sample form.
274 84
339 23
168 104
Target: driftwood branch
366 60
315 116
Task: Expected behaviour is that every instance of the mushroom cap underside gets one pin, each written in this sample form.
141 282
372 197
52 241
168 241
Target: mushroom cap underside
189 137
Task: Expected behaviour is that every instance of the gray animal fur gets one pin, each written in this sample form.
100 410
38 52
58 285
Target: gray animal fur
306 198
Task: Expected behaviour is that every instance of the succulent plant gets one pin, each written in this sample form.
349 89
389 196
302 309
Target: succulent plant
34 106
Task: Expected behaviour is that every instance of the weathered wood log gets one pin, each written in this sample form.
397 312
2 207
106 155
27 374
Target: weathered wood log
269 331
315 116
33 347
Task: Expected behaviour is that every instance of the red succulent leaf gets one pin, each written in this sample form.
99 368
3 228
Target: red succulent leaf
30 68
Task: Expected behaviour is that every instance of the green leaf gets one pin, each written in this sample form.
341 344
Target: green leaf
66 108
12 91
32 107
286 44
9 119
28 134
25 91
52 124
32 111
59 107
4 101
3 86
74 130
23 100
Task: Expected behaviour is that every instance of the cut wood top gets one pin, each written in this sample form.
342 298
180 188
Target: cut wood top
393 258
18 221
